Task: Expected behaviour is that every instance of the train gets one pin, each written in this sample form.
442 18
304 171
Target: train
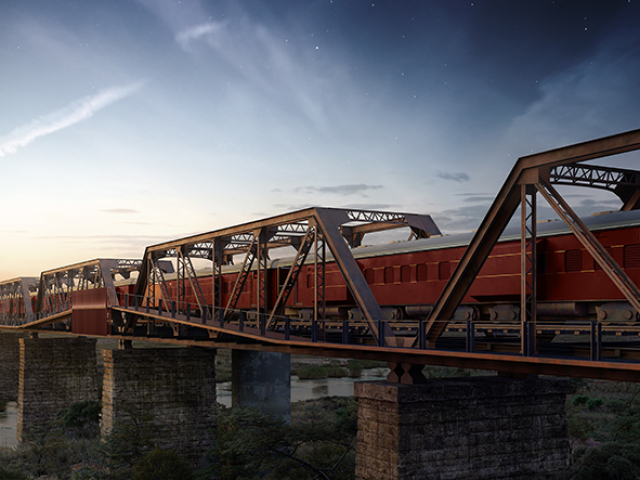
407 278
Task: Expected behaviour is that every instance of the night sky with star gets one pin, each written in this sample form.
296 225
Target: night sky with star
130 122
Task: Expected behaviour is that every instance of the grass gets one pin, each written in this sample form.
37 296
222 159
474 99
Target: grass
334 369
320 371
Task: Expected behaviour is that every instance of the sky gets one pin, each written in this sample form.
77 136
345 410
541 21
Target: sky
133 122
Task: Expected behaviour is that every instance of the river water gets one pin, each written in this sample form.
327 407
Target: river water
312 389
300 390
8 423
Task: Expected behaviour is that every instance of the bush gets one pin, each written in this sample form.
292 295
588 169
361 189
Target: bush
10 475
321 371
252 445
594 403
162 465
580 400
609 461
81 418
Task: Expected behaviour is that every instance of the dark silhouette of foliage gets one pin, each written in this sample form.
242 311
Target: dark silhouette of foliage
81 418
609 461
162 465
252 445
12 475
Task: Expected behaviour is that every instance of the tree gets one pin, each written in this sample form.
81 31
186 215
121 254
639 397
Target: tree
252 445
162 465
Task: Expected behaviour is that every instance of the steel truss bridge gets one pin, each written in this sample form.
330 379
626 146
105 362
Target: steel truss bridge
82 299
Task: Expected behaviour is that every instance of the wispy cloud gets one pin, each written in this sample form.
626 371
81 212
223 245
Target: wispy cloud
185 37
454 177
349 189
71 114
299 77
586 100
371 206
120 210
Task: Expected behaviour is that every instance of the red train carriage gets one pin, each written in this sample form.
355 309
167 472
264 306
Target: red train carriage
407 278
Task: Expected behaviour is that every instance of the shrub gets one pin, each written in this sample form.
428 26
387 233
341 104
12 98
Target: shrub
11 475
594 403
580 400
81 418
162 465
609 461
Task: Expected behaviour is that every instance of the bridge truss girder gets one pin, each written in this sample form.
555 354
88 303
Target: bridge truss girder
56 287
310 232
15 299
535 174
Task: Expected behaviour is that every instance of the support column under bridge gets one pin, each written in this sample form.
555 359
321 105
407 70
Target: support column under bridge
478 428
54 373
263 380
10 361
169 391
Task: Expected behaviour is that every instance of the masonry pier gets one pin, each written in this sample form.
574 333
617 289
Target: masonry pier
171 391
54 373
262 379
478 428
10 361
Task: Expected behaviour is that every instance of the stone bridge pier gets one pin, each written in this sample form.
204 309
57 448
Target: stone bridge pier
169 391
10 362
54 373
477 428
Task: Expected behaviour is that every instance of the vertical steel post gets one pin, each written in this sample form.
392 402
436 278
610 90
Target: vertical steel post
242 316
471 337
216 280
528 270
287 328
319 305
180 275
261 280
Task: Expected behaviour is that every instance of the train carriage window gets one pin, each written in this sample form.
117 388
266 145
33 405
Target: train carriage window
632 256
542 263
282 274
421 272
388 275
444 270
573 261
596 265
368 276
405 273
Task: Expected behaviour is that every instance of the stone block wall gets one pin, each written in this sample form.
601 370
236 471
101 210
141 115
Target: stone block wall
54 373
10 361
465 428
171 390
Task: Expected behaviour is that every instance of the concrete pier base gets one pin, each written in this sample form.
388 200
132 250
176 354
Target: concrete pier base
262 379
169 391
54 373
464 428
10 361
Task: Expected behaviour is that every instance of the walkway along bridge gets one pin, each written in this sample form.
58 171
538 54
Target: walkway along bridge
225 288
